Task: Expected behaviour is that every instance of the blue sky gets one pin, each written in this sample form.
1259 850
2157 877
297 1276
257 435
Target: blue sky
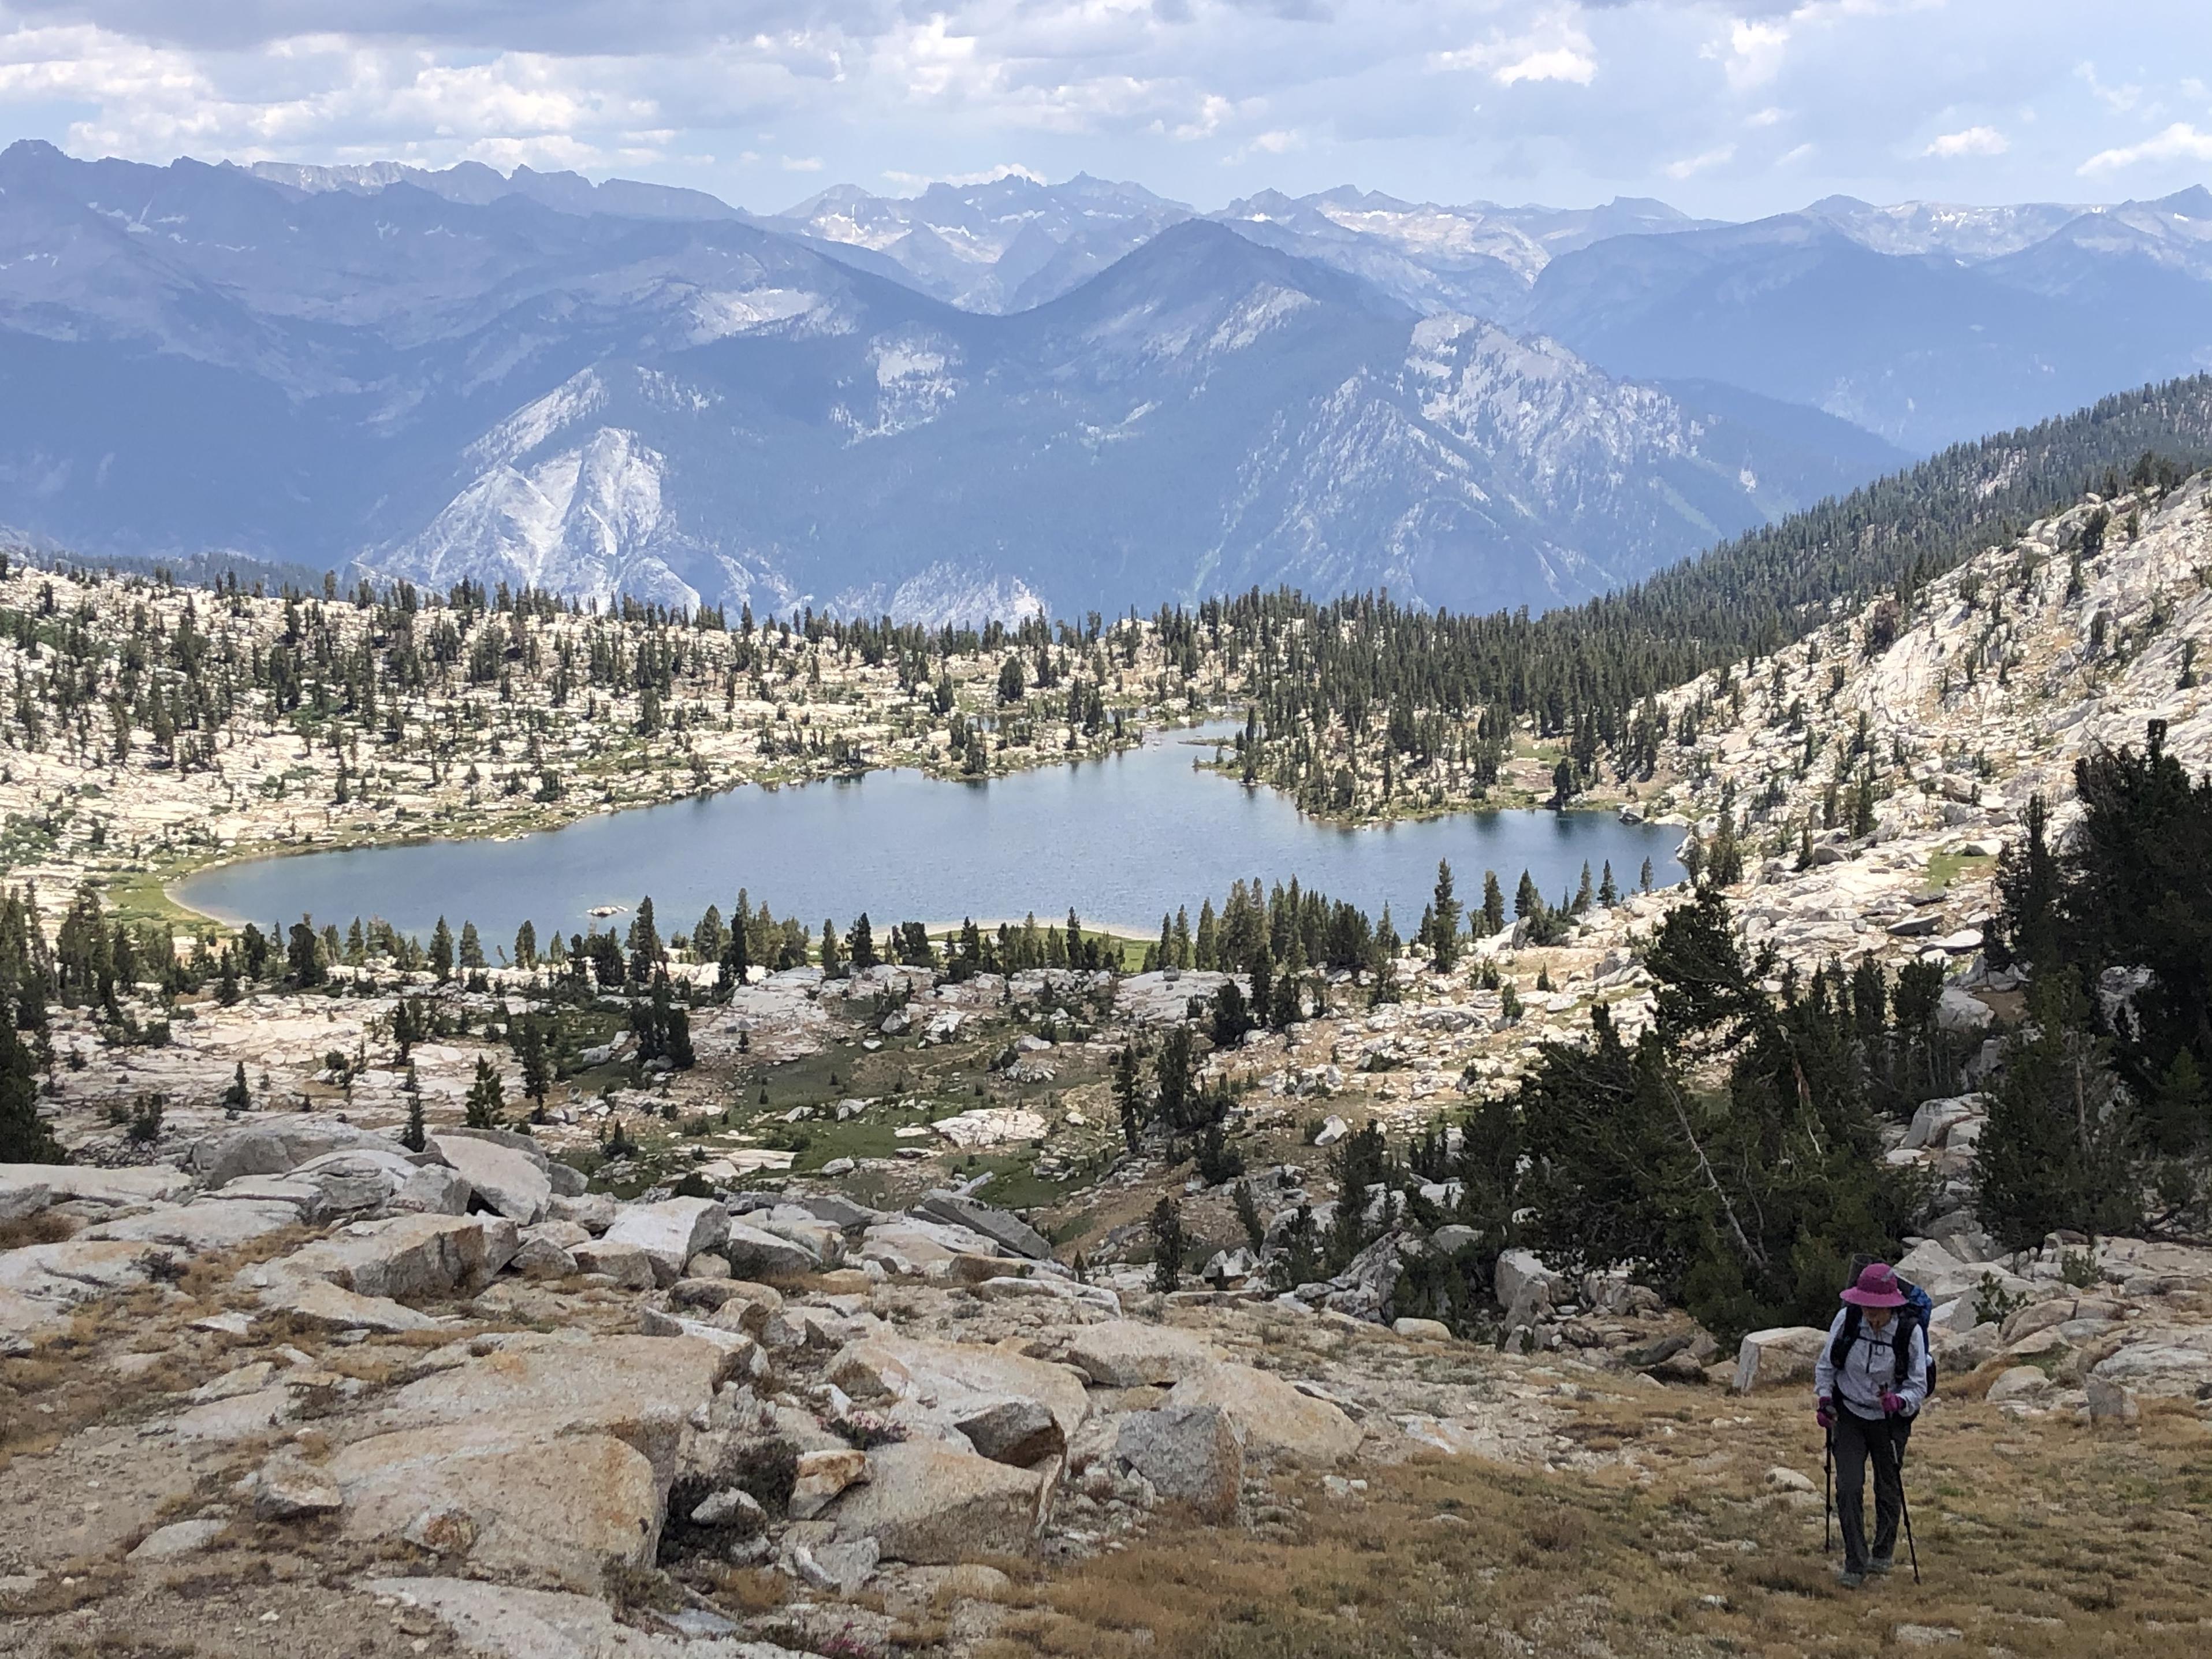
1730 110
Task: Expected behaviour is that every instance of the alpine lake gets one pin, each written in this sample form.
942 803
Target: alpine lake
1121 840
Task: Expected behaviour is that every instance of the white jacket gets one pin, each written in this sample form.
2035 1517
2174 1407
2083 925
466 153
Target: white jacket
1870 1367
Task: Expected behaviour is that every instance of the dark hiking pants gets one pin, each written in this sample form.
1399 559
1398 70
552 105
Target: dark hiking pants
1857 1439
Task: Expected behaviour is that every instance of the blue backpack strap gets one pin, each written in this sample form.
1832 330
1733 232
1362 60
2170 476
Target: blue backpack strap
1921 1308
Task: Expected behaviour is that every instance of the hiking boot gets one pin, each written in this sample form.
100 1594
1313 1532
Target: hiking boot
1849 1579
1880 1563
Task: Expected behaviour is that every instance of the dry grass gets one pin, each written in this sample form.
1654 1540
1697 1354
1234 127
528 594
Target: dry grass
44 1228
2047 1539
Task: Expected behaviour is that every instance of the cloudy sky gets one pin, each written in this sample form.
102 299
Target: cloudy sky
1729 109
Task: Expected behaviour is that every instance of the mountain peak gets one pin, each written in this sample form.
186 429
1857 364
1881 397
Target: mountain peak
2194 202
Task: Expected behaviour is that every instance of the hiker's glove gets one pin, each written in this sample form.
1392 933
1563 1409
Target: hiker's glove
1824 1411
1892 1402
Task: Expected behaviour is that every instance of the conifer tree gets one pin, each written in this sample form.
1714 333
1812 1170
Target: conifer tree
24 1136
487 1097
304 958
1168 1244
1443 928
415 1136
441 950
537 1066
1526 901
1493 904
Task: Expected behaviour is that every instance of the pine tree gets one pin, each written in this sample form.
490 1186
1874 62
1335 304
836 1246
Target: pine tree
1643 877
24 1136
1128 1094
860 945
1493 904
537 1066
237 1097
1608 894
2055 1153
1168 1244
304 956
1526 901
1443 928
487 1097
471 950
417 1135
441 950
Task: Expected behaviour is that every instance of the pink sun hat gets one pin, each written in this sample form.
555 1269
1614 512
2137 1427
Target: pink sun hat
1876 1287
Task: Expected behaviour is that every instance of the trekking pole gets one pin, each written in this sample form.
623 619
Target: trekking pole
1828 1494
1903 1509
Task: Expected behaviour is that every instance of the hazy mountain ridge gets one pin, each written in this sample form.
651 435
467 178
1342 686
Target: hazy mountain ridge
607 389
1206 414
1928 322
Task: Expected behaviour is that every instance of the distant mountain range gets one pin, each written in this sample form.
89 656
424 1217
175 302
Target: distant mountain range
982 399
1926 323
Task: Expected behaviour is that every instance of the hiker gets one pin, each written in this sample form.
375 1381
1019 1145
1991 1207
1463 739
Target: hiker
1869 1380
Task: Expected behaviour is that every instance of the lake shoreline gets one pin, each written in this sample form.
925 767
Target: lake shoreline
1146 830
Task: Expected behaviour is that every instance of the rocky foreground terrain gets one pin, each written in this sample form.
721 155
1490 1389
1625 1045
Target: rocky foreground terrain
310 1392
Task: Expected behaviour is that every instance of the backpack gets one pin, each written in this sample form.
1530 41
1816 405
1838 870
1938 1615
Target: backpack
1918 1309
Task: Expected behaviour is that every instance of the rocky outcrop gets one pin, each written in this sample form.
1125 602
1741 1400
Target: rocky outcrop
503 1496
1274 1420
1129 1354
403 1257
926 1503
509 1180
1783 1354
670 1233
1192 1454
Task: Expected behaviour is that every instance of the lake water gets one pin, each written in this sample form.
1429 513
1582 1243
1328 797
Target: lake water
1121 839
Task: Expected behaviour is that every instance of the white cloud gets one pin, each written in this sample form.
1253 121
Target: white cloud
2119 99
1557 64
2180 142
1691 166
802 164
1972 140
1279 141
1555 48
1561 100
1755 53
919 181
